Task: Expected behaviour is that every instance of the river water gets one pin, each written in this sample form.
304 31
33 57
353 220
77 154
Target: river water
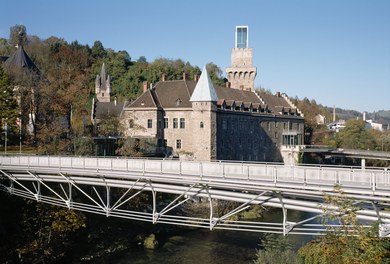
193 246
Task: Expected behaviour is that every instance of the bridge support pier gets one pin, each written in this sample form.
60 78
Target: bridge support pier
363 163
384 230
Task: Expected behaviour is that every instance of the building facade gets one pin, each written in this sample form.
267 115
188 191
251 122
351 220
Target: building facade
193 119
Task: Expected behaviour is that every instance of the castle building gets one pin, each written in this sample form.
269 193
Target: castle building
194 119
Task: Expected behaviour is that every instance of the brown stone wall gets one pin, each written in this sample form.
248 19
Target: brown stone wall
204 130
241 73
140 123
171 134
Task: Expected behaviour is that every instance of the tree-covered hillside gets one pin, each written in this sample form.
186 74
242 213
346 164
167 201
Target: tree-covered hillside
66 85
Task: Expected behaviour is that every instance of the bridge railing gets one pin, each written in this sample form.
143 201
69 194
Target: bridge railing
367 178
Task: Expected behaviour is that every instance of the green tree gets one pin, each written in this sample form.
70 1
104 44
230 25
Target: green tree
276 249
355 136
66 90
18 33
47 232
350 243
8 104
5 48
109 125
84 146
98 51
215 74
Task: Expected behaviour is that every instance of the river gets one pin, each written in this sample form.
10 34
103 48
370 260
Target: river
193 246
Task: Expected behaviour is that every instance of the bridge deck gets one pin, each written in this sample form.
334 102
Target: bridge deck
276 185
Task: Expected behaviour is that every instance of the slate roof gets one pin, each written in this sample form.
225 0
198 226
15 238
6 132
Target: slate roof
19 60
275 103
108 108
177 94
174 94
236 95
146 100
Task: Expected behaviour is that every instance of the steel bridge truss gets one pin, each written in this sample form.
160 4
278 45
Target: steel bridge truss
119 197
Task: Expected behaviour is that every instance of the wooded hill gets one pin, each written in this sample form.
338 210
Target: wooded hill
67 87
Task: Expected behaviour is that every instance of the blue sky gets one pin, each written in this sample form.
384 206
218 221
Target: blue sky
334 51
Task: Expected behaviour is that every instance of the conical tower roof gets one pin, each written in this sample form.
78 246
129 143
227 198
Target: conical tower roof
204 90
19 60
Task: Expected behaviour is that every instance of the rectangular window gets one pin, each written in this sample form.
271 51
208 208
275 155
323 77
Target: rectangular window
175 123
241 37
150 123
131 123
224 124
182 123
290 125
178 143
165 122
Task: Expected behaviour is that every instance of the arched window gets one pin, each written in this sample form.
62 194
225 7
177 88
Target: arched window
201 124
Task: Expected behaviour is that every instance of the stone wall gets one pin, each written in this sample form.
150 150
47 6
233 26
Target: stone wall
171 134
241 73
204 130
242 57
210 134
135 123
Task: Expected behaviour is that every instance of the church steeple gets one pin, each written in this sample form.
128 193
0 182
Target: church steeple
241 74
103 86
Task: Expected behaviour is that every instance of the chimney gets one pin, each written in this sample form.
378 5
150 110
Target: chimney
184 76
196 78
163 77
364 116
334 113
145 86
278 94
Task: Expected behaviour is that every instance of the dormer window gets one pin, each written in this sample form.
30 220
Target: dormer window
142 103
178 101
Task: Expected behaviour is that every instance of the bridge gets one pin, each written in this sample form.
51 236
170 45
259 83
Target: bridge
108 186
363 155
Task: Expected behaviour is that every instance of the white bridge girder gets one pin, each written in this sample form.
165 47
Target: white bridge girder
39 186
